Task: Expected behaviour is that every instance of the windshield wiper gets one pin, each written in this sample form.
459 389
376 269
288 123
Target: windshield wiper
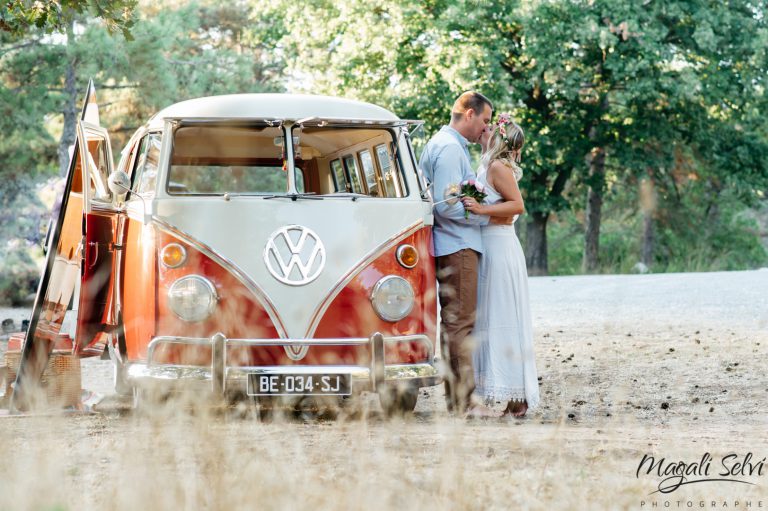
354 196
294 196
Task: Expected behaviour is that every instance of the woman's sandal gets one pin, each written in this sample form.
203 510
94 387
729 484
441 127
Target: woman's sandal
516 409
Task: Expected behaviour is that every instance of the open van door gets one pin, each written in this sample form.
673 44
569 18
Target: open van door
101 226
63 264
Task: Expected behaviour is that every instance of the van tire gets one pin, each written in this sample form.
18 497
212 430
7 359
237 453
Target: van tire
398 401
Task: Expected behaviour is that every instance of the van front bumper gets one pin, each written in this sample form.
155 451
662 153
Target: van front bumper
222 378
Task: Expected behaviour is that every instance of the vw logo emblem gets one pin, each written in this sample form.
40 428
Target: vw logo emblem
294 255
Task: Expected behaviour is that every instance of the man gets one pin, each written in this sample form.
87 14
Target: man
458 245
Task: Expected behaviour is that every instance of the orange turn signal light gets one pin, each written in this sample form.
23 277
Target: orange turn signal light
173 255
407 255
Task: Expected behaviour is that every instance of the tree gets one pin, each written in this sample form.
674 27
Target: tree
22 16
175 54
196 50
622 89
611 94
607 91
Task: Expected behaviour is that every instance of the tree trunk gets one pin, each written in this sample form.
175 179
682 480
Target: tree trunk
713 208
69 133
648 237
648 207
591 257
536 244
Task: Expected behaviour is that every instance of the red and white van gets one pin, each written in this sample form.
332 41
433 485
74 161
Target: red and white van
217 255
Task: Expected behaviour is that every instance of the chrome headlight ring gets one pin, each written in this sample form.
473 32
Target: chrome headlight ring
192 298
392 298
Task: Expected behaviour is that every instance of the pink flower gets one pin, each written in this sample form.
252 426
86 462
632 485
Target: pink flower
472 188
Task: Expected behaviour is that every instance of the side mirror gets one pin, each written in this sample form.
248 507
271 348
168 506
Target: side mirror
119 184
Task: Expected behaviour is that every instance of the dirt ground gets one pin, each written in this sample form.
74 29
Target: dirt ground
672 366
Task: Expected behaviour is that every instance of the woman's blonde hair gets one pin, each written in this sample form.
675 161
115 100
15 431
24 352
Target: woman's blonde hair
506 143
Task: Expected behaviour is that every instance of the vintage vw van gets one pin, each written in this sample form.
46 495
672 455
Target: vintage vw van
251 245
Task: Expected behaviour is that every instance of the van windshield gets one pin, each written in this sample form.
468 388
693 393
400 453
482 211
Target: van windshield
219 159
216 159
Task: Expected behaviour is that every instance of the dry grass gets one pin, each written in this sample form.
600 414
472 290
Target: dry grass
609 395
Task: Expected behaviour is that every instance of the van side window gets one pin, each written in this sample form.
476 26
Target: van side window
98 159
388 174
350 164
340 182
369 171
128 164
147 160
298 174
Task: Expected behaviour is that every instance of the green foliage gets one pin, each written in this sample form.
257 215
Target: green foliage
201 49
198 49
674 92
565 244
657 85
690 235
702 233
411 57
21 215
21 16
18 276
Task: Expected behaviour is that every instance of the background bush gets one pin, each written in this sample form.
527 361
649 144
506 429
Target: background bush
19 275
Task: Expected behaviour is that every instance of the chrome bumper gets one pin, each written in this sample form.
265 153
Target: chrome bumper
220 377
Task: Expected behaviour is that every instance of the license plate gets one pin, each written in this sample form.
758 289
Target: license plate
299 384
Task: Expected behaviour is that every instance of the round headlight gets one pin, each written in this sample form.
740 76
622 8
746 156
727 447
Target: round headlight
192 298
392 298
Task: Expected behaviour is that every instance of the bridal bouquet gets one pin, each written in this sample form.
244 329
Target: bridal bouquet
471 188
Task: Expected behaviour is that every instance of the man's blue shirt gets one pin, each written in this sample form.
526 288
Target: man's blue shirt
445 162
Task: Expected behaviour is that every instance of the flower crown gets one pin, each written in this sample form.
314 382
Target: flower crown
501 123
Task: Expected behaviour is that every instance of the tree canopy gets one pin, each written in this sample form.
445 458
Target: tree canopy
609 91
20 16
647 139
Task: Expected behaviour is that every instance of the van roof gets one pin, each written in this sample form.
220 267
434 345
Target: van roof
272 106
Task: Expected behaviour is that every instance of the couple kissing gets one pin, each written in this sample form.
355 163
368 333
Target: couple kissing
486 335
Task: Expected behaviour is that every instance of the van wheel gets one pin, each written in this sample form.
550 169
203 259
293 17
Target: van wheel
265 408
398 401
139 399
148 400
315 408
352 407
122 387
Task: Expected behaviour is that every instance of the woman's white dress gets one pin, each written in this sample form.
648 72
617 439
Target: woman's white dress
505 368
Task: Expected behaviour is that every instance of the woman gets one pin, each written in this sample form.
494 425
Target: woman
505 369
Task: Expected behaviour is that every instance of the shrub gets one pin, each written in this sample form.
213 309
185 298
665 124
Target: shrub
19 276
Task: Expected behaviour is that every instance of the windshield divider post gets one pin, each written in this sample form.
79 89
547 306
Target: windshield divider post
289 159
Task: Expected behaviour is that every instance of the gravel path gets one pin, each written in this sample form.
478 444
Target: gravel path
736 300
